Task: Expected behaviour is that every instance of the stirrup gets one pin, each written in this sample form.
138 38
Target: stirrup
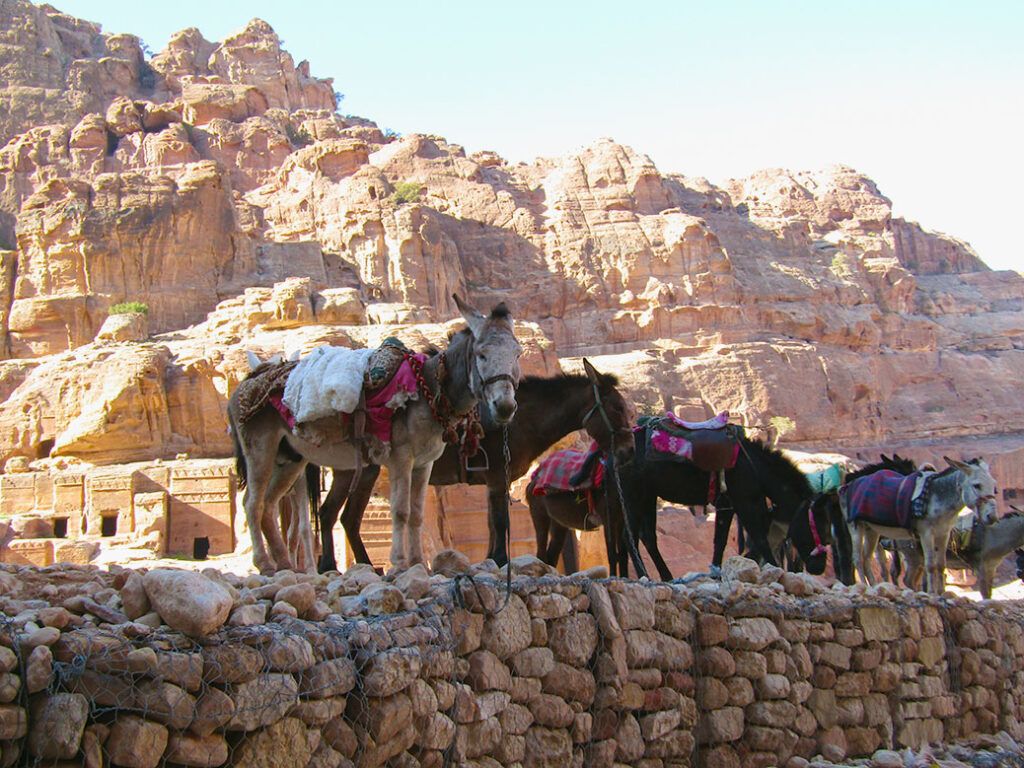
479 468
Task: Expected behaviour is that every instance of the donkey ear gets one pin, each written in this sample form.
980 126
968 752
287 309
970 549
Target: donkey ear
473 318
956 464
592 373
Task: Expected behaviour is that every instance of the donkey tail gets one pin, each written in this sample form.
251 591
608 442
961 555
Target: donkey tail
239 458
313 491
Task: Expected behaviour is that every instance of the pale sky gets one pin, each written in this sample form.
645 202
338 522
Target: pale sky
924 96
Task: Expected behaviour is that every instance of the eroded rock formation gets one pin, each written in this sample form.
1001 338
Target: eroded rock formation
216 183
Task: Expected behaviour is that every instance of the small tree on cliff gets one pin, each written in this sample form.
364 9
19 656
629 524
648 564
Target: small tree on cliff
779 426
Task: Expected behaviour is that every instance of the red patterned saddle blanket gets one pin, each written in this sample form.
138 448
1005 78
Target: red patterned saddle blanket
555 473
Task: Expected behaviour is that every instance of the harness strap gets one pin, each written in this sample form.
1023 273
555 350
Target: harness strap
359 438
500 377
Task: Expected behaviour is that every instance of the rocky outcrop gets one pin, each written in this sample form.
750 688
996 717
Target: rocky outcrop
200 182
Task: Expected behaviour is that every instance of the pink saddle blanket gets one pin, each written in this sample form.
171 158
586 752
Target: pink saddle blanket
710 444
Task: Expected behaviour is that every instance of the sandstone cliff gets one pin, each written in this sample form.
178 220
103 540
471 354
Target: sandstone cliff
216 183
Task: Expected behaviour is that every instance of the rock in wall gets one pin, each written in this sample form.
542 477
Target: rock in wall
761 667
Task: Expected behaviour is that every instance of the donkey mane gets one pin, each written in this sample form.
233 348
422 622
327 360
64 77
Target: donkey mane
896 464
563 383
782 466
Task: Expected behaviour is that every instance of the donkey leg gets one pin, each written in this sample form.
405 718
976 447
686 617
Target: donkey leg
842 550
860 560
927 542
541 523
497 523
649 536
417 500
258 477
282 479
554 551
570 555
400 478
355 507
302 543
941 545
328 514
871 538
882 557
615 545
723 521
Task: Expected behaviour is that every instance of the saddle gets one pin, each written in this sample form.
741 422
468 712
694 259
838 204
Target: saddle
712 445
384 364
826 480
256 389
568 470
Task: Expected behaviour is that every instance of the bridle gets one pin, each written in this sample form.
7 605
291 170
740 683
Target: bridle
485 383
599 408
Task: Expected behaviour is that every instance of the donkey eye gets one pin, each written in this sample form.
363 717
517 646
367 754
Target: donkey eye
482 357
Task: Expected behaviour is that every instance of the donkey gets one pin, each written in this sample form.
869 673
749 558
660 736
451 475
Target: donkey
842 549
481 364
962 484
548 410
986 547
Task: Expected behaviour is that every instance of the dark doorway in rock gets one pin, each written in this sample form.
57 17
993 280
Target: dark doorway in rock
200 548
60 527
108 525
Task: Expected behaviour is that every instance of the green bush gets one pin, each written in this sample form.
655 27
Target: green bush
298 136
407 192
128 306
782 425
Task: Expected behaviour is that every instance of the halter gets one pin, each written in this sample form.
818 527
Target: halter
484 383
599 407
819 548
500 377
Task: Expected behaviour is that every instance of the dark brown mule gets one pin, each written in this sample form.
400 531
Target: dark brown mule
548 410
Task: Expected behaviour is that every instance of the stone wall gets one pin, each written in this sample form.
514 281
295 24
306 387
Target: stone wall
761 668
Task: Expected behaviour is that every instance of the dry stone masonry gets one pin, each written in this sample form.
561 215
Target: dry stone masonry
760 668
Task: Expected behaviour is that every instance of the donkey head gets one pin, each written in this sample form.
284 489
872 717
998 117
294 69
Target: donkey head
811 533
609 420
494 362
977 487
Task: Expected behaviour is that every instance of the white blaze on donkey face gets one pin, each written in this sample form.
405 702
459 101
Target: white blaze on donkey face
494 367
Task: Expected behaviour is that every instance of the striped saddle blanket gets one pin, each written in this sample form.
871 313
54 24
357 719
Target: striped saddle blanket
886 498
557 472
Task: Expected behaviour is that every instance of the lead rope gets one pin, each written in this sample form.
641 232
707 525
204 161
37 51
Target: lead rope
508 510
460 577
634 552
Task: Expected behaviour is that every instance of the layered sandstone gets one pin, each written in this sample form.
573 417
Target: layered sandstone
216 183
